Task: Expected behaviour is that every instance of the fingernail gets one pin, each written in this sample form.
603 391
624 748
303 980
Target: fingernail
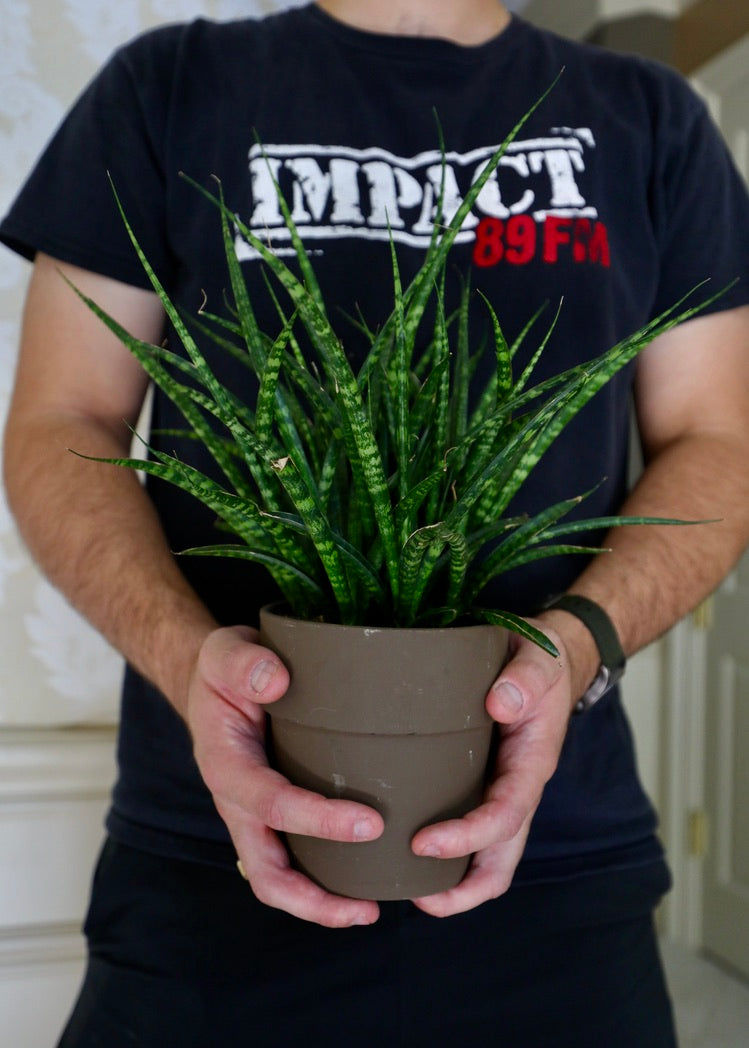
509 696
262 675
431 851
363 830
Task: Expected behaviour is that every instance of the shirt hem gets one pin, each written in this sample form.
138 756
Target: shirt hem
530 872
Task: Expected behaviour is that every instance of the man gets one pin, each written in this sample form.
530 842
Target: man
619 234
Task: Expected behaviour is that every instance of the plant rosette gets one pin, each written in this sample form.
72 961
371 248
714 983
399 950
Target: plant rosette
376 498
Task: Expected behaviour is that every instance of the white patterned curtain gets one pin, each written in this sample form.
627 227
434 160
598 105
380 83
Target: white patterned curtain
54 669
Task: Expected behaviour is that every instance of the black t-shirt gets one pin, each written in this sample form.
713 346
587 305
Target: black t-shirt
618 197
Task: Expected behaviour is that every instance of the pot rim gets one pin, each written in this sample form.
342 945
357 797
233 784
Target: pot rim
275 610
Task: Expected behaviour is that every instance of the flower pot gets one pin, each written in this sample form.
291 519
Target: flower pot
393 718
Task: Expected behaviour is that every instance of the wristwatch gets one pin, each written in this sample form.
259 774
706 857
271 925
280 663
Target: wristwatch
602 630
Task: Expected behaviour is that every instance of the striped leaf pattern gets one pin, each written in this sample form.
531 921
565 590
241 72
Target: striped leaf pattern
377 496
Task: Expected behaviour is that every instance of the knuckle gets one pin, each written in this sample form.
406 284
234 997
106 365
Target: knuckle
273 808
514 820
329 824
511 815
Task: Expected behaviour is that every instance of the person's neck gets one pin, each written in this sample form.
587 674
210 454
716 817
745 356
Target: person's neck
467 22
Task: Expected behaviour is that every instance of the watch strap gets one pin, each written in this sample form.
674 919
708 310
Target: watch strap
601 628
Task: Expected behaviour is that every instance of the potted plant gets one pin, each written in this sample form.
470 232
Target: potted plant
378 500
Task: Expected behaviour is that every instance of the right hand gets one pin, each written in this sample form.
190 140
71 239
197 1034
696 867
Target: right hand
232 681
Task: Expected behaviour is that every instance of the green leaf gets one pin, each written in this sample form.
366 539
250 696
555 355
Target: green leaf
375 495
517 625
361 444
294 584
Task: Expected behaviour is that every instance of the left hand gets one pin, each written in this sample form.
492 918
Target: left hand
532 699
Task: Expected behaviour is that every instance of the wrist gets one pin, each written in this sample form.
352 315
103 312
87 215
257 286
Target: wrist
608 656
579 649
174 650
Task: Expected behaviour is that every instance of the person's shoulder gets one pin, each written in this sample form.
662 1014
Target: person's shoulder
192 41
624 66
622 82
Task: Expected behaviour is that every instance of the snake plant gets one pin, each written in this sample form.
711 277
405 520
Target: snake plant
378 495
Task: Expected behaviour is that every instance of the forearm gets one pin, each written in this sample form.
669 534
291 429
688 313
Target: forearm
93 530
654 575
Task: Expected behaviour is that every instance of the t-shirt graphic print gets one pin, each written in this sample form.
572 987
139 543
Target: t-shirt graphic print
531 207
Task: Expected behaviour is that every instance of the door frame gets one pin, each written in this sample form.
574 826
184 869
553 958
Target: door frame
684 709
682 786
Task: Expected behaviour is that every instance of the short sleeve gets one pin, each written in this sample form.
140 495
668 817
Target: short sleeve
114 136
700 206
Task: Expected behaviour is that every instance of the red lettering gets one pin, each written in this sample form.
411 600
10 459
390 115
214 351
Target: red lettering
598 250
557 232
590 242
581 234
521 239
489 248
517 241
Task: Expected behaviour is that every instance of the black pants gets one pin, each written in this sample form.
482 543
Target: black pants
183 956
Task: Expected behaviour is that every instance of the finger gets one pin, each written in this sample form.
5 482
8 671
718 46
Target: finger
237 668
265 864
527 758
489 876
290 809
510 802
236 770
523 682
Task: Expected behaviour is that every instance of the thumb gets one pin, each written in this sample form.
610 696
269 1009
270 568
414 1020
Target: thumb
529 674
234 665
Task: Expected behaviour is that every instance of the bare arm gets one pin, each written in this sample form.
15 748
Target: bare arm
692 397
91 527
692 400
94 532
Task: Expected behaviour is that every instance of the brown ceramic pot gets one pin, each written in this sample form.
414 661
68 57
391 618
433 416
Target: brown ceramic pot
393 718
